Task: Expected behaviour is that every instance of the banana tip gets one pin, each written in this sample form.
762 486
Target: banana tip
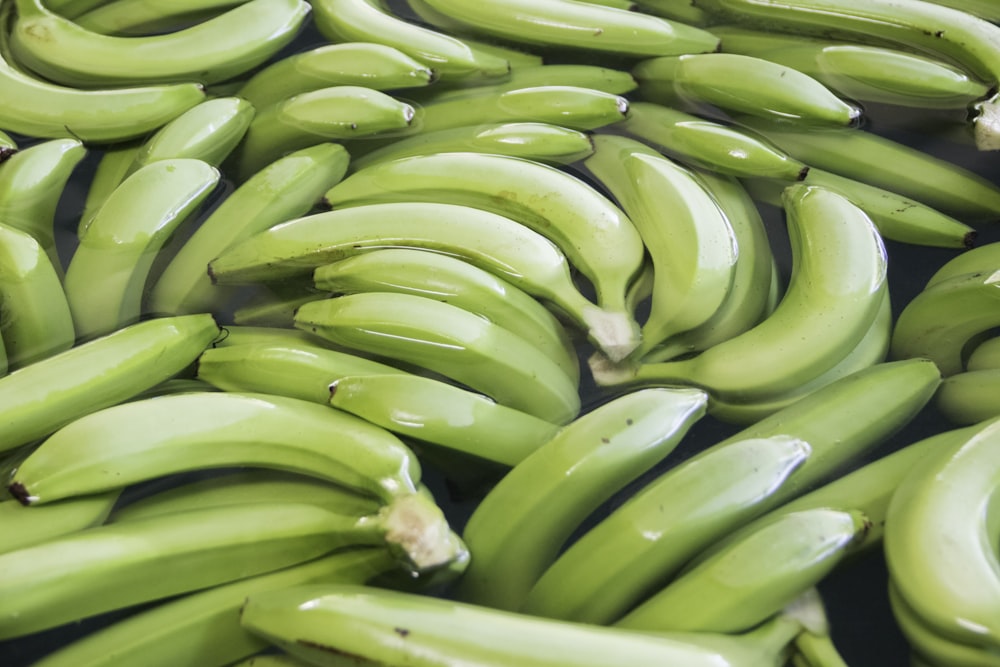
6 153
21 494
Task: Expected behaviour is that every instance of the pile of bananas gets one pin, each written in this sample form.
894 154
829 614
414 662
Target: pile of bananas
555 333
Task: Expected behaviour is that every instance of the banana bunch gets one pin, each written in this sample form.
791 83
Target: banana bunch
335 255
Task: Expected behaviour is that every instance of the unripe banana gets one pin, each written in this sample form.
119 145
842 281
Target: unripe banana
144 17
983 259
986 355
211 51
381 626
516 531
374 66
450 341
970 397
38 399
24 527
744 84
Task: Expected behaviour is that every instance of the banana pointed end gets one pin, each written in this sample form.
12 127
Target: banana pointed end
616 334
21 494
418 529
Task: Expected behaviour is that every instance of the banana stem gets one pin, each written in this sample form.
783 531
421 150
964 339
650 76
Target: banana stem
819 650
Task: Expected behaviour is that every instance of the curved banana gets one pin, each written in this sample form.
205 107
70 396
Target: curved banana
288 187
690 241
897 218
870 350
25 527
450 341
744 84
594 77
101 569
640 545
173 632
747 301
32 181
208 52
963 38
517 529
38 108
597 237
939 539
366 64
116 159
106 277
707 144
307 119
443 414
235 334
986 355
982 259
296 370
492 242
242 487
565 23
38 399
942 320
861 72
380 626
541 142
740 586
276 308
453 281
834 294
904 170
368 21
35 320
144 440
927 643
143 17
982 8
208 132
970 397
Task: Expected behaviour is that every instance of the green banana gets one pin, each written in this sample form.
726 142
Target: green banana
116 159
749 580
119 445
35 320
32 181
678 10
276 309
203 627
942 320
744 84
273 660
926 642
211 51
940 535
747 301
7 146
106 277
244 487
367 64
872 349
38 108
288 187
986 355
24 527
860 71
453 281
143 17
541 142
902 169
119 565
568 24
517 529
492 242
642 542
896 217
982 8
594 77
450 341
326 624
307 119
284 368
970 397
597 237
689 238
709 145
962 38
834 294
433 411
369 21
982 259
38 399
